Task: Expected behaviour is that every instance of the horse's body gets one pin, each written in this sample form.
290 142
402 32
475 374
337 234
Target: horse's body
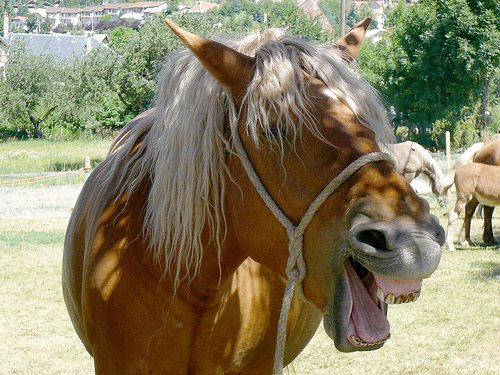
485 153
477 181
412 160
176 260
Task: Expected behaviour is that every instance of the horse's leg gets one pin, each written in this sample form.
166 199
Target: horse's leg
452 217
488 237
469 212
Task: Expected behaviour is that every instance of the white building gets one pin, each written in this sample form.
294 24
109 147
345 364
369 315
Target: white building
63 15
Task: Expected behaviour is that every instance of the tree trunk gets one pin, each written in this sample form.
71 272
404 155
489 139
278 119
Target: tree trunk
36 123
482 110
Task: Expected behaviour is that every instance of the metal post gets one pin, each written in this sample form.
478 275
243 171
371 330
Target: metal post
342 18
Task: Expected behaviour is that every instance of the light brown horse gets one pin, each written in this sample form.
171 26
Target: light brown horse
249 204
485 153
473 181
412 160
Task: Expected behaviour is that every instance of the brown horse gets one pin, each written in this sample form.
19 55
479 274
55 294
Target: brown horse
249 204
473 181
412 160
485 153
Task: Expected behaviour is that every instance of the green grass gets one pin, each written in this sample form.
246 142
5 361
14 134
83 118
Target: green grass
35 330
35 156
454 327
45 156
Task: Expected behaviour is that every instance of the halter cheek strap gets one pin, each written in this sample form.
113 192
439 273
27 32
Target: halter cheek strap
296 267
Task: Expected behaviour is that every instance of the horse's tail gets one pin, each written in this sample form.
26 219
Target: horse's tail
447 182
467 156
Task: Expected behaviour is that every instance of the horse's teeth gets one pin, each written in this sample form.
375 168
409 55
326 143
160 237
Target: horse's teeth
392 299
380 294
358 341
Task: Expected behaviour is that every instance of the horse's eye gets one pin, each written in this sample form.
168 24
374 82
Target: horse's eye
275 133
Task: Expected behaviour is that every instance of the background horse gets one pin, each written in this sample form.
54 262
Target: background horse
249 204
412 160
485 153
473 181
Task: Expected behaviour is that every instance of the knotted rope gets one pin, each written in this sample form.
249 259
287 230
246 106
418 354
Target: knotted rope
296 267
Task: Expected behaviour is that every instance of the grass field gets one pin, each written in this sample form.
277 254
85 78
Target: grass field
454 327
35 156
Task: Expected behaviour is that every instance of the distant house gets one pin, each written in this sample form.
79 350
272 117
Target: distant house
19 23
380 20
3 55
39 13
63 15
140 11
62 46
202 7
311 7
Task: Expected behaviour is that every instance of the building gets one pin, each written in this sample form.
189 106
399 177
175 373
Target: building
202 7
19 23
63 16
141 11
63 47
312 7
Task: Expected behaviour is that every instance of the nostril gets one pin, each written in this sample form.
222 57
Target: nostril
373 238
440 236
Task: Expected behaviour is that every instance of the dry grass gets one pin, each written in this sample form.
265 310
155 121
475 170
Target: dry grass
454 328
35 330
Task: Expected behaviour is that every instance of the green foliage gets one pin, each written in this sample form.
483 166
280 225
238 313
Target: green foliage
31 22
31 90
45 26
436 65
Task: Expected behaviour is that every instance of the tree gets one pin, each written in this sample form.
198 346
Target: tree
31 22
436 66
31 91
45 26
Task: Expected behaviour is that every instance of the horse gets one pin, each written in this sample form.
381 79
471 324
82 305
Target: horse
412 160
485 153
248 205
473 181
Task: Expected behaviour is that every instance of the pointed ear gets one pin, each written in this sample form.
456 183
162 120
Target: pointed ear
231 68
350 44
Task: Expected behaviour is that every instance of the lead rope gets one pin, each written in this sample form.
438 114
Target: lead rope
296 267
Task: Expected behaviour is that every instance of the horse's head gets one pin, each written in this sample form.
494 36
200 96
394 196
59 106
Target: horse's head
303 117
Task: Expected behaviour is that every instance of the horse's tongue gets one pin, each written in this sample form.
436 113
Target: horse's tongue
367 322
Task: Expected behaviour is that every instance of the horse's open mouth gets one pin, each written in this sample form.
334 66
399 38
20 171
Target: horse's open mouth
370 294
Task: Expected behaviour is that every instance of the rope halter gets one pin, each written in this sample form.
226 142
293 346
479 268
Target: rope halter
296 267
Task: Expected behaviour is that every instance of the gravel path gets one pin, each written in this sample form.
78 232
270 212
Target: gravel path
40 202
58 201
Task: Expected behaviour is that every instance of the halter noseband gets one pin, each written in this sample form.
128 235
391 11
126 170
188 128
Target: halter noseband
296 267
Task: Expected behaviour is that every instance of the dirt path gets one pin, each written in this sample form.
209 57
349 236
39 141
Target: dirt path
40 202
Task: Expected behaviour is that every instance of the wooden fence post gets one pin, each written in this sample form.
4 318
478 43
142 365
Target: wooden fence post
448 152
87 167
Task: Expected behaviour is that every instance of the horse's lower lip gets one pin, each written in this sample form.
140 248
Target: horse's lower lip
366 296
356 341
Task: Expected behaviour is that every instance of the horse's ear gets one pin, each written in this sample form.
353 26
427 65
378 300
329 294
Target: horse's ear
231 68
350 44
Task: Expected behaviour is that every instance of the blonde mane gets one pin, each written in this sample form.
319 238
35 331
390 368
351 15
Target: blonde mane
187 140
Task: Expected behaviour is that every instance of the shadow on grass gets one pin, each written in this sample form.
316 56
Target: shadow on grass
489 270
